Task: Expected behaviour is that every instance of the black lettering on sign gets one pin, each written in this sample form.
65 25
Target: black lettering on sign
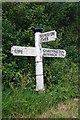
61 53
41 36
45 39
52 33
17 51
48 34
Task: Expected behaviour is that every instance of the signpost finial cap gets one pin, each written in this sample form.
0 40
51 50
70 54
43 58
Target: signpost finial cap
38 30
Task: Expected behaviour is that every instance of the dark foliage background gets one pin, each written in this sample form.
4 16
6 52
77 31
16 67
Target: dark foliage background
18 20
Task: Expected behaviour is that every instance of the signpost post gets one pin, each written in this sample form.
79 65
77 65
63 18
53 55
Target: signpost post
38 52
39 63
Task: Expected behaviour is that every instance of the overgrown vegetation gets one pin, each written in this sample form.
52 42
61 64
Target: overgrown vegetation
18 76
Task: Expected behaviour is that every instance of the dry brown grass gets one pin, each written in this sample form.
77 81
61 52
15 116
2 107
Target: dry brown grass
67 110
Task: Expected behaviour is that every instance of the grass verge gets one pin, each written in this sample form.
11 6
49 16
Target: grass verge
26 103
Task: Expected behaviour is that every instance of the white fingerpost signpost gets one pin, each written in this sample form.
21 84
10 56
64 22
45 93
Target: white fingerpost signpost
38 52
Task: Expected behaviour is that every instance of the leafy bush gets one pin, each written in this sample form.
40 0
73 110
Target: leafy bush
18 75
